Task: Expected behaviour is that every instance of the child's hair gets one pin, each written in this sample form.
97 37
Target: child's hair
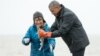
37 15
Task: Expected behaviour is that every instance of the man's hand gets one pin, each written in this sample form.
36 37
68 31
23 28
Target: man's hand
48 34
44 34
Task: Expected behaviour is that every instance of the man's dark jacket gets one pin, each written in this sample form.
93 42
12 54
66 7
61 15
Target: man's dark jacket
68 26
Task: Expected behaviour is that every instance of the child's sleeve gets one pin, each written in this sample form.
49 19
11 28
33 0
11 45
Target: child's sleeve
26 39
52 42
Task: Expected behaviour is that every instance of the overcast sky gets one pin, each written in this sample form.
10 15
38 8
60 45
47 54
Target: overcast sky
16 15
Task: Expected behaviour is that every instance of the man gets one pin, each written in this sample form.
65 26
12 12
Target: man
67 26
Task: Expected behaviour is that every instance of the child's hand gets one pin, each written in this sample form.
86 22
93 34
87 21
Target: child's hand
27 40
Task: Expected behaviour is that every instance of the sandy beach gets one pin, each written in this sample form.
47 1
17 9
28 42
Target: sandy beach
10 45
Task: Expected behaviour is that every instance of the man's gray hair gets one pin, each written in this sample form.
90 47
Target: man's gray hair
53 3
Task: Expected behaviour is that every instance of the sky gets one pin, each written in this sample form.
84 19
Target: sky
16 15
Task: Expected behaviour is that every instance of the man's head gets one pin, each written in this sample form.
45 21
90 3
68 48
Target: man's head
54 7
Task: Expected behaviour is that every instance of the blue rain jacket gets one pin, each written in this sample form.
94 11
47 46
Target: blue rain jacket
35 42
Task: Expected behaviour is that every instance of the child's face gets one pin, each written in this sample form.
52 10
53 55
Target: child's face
39 21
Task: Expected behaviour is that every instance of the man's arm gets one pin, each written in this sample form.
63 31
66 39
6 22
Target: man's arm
65 26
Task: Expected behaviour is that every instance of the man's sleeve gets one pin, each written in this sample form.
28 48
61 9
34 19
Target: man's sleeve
65 26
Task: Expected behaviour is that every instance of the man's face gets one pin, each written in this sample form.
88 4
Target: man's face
39 22
54 10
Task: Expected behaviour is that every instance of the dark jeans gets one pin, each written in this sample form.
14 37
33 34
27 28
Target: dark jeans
79 52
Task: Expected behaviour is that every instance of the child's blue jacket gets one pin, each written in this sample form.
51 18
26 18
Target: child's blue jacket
35 42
